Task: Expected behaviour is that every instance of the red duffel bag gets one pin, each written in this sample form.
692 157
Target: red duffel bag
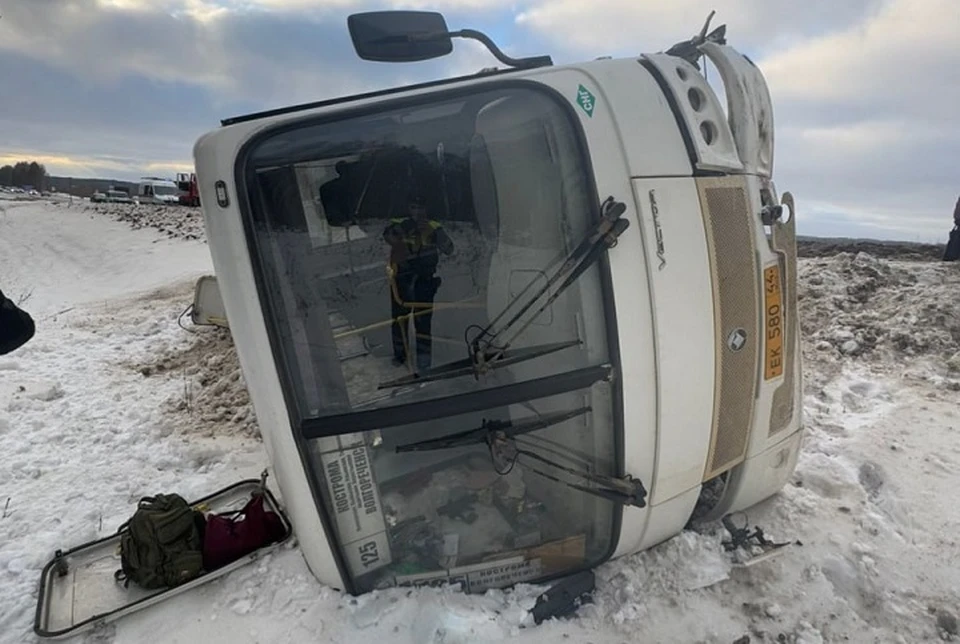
228 537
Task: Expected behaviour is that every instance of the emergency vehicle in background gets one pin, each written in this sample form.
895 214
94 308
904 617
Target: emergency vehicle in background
187 184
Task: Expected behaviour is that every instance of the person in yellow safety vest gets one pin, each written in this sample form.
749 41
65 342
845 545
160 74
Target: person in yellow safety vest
416 242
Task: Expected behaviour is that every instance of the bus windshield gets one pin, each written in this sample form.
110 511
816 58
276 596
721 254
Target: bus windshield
391 243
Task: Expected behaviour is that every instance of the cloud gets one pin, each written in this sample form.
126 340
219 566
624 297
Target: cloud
864 98
86 129
635 26
95 166
835 220
235 50
866 115
118 85
863 93
898 65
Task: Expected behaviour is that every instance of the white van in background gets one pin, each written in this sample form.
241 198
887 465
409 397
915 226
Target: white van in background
157 191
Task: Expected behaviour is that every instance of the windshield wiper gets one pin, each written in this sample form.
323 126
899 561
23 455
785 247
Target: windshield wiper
467 366
625 491
485 351
500 435
491 429
489 347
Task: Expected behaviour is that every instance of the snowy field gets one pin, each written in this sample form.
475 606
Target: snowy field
113 400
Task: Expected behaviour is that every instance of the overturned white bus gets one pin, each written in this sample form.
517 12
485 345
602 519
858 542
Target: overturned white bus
609 349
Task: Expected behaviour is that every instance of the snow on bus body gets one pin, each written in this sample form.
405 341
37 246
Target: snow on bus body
686 374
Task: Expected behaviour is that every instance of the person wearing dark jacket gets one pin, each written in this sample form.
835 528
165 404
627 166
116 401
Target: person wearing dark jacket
952 251
16 326
416 242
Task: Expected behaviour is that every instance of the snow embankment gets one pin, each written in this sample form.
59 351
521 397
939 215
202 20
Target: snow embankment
214 400
113 400
884 311
176 222
54 256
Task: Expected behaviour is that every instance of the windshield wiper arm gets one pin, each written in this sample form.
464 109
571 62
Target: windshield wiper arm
500 435
490 430
603 237
625 491
468 366
500 439
485 354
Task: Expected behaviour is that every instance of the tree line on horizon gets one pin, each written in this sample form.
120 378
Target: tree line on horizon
24 173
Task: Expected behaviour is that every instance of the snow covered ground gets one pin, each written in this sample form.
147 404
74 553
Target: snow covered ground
113 400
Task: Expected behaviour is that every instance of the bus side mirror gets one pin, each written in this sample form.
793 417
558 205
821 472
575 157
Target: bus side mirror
399 36
208 309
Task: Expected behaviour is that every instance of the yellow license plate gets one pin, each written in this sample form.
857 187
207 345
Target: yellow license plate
773 323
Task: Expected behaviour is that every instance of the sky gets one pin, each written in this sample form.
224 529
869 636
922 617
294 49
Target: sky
865 92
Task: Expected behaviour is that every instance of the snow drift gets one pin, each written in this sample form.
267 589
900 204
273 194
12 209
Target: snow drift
114 400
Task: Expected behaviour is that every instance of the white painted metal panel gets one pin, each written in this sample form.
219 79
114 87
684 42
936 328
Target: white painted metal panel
668 519
682 294
644 122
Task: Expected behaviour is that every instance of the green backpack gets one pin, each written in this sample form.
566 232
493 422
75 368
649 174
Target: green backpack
162 546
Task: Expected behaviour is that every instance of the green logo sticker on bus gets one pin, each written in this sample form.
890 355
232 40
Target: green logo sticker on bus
585 100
